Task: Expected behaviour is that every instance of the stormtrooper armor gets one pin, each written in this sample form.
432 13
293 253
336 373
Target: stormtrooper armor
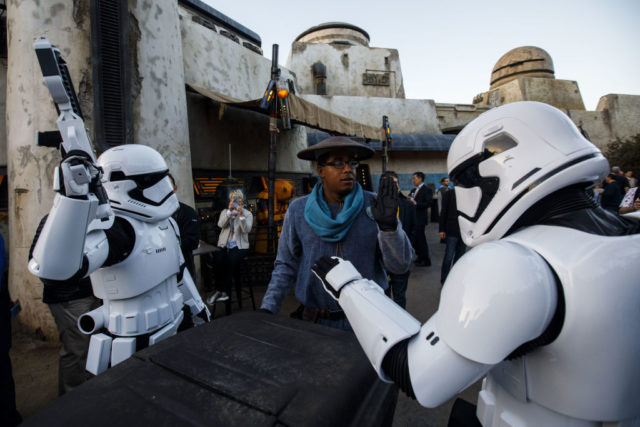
545 305
134 260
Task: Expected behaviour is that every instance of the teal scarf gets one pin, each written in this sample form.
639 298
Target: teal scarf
318 215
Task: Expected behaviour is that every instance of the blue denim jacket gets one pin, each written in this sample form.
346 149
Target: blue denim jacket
300 247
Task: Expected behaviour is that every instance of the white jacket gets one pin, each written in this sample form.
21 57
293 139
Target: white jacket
242 225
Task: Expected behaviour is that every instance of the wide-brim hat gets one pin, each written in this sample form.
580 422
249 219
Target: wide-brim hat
359 150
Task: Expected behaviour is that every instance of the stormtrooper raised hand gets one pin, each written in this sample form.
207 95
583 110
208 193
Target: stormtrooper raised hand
545 305
133 255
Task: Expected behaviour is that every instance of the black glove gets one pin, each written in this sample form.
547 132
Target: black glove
321 267
385 209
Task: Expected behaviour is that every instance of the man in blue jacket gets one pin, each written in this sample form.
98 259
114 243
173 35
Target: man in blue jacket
340 219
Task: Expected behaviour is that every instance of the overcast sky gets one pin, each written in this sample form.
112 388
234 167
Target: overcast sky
448 48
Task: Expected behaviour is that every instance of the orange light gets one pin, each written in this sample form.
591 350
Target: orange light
283 93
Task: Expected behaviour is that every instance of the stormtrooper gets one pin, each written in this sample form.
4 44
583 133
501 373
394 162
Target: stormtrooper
111 219
544 306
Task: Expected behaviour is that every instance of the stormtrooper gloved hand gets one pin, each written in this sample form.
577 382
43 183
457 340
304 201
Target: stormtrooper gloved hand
385 208
334 273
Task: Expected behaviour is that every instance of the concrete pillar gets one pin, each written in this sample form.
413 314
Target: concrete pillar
30 109
160 106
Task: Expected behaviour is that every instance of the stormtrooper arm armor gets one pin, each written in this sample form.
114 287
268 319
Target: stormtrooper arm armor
485 313
72 238
66 245
187 286
192 298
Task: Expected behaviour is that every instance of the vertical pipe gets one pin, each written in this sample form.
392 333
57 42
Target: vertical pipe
273 131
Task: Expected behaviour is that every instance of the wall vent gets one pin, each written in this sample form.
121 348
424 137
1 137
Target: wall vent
112 99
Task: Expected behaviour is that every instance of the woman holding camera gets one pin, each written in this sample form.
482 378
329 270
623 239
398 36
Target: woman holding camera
235 222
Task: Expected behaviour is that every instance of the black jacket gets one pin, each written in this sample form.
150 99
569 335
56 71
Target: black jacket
611 196
407 216
189 226
449 215
423 199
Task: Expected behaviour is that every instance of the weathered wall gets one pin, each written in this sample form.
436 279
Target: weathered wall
453 117
4 223
345 66
214 62
405 115
213 126
594 124
563 94
623 114
30 109
159 108
3 112
616 117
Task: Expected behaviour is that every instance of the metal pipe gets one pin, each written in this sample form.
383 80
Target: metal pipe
273 131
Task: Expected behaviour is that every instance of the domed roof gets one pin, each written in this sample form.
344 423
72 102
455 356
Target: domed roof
522 61
334 32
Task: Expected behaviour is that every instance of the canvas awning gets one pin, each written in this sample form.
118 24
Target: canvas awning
401 141
306 113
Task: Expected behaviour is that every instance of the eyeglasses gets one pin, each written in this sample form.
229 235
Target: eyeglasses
340 164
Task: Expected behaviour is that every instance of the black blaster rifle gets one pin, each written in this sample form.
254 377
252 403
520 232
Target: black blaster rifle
78 168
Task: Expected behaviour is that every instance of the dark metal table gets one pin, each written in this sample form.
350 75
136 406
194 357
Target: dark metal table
248 369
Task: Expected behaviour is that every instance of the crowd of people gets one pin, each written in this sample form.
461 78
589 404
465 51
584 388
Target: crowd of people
618 192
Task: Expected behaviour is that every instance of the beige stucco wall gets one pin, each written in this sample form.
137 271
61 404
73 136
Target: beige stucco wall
3 111
159 107
453 117
214 62
563 94
623 114
408 162
345 66
30 109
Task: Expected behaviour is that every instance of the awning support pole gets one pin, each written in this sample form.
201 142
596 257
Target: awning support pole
273 131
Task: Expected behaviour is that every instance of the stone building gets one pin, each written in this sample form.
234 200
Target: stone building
527 74
179 76
336 69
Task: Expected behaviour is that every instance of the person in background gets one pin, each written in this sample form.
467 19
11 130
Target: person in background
68 300
449 229
422 197
9 415
236 223
444 187
630 202
597 193
189 226
621 179
633 181
338 218
612 194
407 215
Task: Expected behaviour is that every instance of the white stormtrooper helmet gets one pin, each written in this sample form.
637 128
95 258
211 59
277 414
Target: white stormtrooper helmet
136 179
509 158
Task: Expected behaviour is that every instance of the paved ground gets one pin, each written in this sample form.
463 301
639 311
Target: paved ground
35 361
